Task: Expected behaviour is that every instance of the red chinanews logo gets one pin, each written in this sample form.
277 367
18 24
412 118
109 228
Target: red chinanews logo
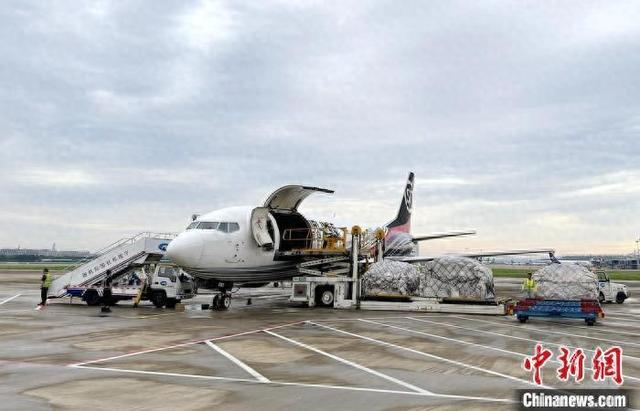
604 364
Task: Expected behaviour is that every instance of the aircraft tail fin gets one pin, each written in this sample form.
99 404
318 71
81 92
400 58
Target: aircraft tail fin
402 222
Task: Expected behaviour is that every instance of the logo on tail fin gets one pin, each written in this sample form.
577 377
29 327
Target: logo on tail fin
408 194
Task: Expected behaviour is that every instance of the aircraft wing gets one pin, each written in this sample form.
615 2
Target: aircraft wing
420 258
415 239
288 198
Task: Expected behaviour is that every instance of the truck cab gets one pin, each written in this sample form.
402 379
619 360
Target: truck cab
609 291
168 285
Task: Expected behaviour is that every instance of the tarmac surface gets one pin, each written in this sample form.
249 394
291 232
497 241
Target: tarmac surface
276 355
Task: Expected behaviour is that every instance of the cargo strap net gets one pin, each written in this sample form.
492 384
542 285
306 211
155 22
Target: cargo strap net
439 278
456 277
566 282
391 278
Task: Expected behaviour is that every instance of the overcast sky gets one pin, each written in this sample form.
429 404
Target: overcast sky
521 119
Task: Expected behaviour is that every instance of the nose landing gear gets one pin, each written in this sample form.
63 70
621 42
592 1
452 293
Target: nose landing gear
221 301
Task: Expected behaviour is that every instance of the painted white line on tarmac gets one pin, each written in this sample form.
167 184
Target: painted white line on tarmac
622 318
237 362
10 298
433 356
623 325
531 329
296 384
386 317
488 347
183 344
475 330
168 374
603 324
630 313
352 364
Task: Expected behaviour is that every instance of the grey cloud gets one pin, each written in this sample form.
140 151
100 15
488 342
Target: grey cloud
119 116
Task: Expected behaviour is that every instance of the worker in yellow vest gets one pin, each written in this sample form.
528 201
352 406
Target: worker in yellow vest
529 286
47 279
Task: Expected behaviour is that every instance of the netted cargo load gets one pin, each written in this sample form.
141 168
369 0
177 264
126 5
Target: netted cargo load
566 282
391 278
456 277
439 278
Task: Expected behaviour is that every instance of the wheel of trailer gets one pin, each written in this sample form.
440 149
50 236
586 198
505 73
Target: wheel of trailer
523 319
91 297
171 303
620 297
159 299
215 303
224 302
590 321
326 297
601 298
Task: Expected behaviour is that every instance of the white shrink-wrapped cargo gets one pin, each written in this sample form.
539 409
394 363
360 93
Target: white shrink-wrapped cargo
566 282
391 278
439 278
456 277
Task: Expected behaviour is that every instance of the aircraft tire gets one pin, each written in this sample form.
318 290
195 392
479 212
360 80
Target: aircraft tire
224 302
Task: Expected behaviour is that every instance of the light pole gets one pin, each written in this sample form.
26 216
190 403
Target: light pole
638 254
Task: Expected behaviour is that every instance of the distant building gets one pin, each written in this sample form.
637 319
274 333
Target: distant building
627 262
52 253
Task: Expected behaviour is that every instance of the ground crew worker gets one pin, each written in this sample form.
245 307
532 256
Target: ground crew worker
529 286
106 293
46 281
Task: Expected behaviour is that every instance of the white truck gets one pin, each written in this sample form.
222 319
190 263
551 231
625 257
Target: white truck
164 285
610 291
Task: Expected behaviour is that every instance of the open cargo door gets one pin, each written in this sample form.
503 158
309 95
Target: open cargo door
288 198
260 228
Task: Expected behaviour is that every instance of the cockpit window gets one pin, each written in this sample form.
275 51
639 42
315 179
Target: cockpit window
225 227
207 225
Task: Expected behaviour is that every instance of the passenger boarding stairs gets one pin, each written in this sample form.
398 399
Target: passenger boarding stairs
118 257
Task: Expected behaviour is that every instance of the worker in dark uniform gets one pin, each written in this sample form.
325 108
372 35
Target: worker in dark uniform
45 283
106 293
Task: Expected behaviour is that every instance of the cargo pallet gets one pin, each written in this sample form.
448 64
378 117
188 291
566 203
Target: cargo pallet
589 310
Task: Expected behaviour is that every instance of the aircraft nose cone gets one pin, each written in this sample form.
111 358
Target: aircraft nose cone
186 249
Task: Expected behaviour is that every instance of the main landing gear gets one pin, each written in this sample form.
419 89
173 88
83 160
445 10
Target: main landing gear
222 301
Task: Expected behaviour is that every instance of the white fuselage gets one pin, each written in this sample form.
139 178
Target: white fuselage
225 249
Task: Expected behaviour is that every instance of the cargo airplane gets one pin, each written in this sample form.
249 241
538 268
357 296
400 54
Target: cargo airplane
252 244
